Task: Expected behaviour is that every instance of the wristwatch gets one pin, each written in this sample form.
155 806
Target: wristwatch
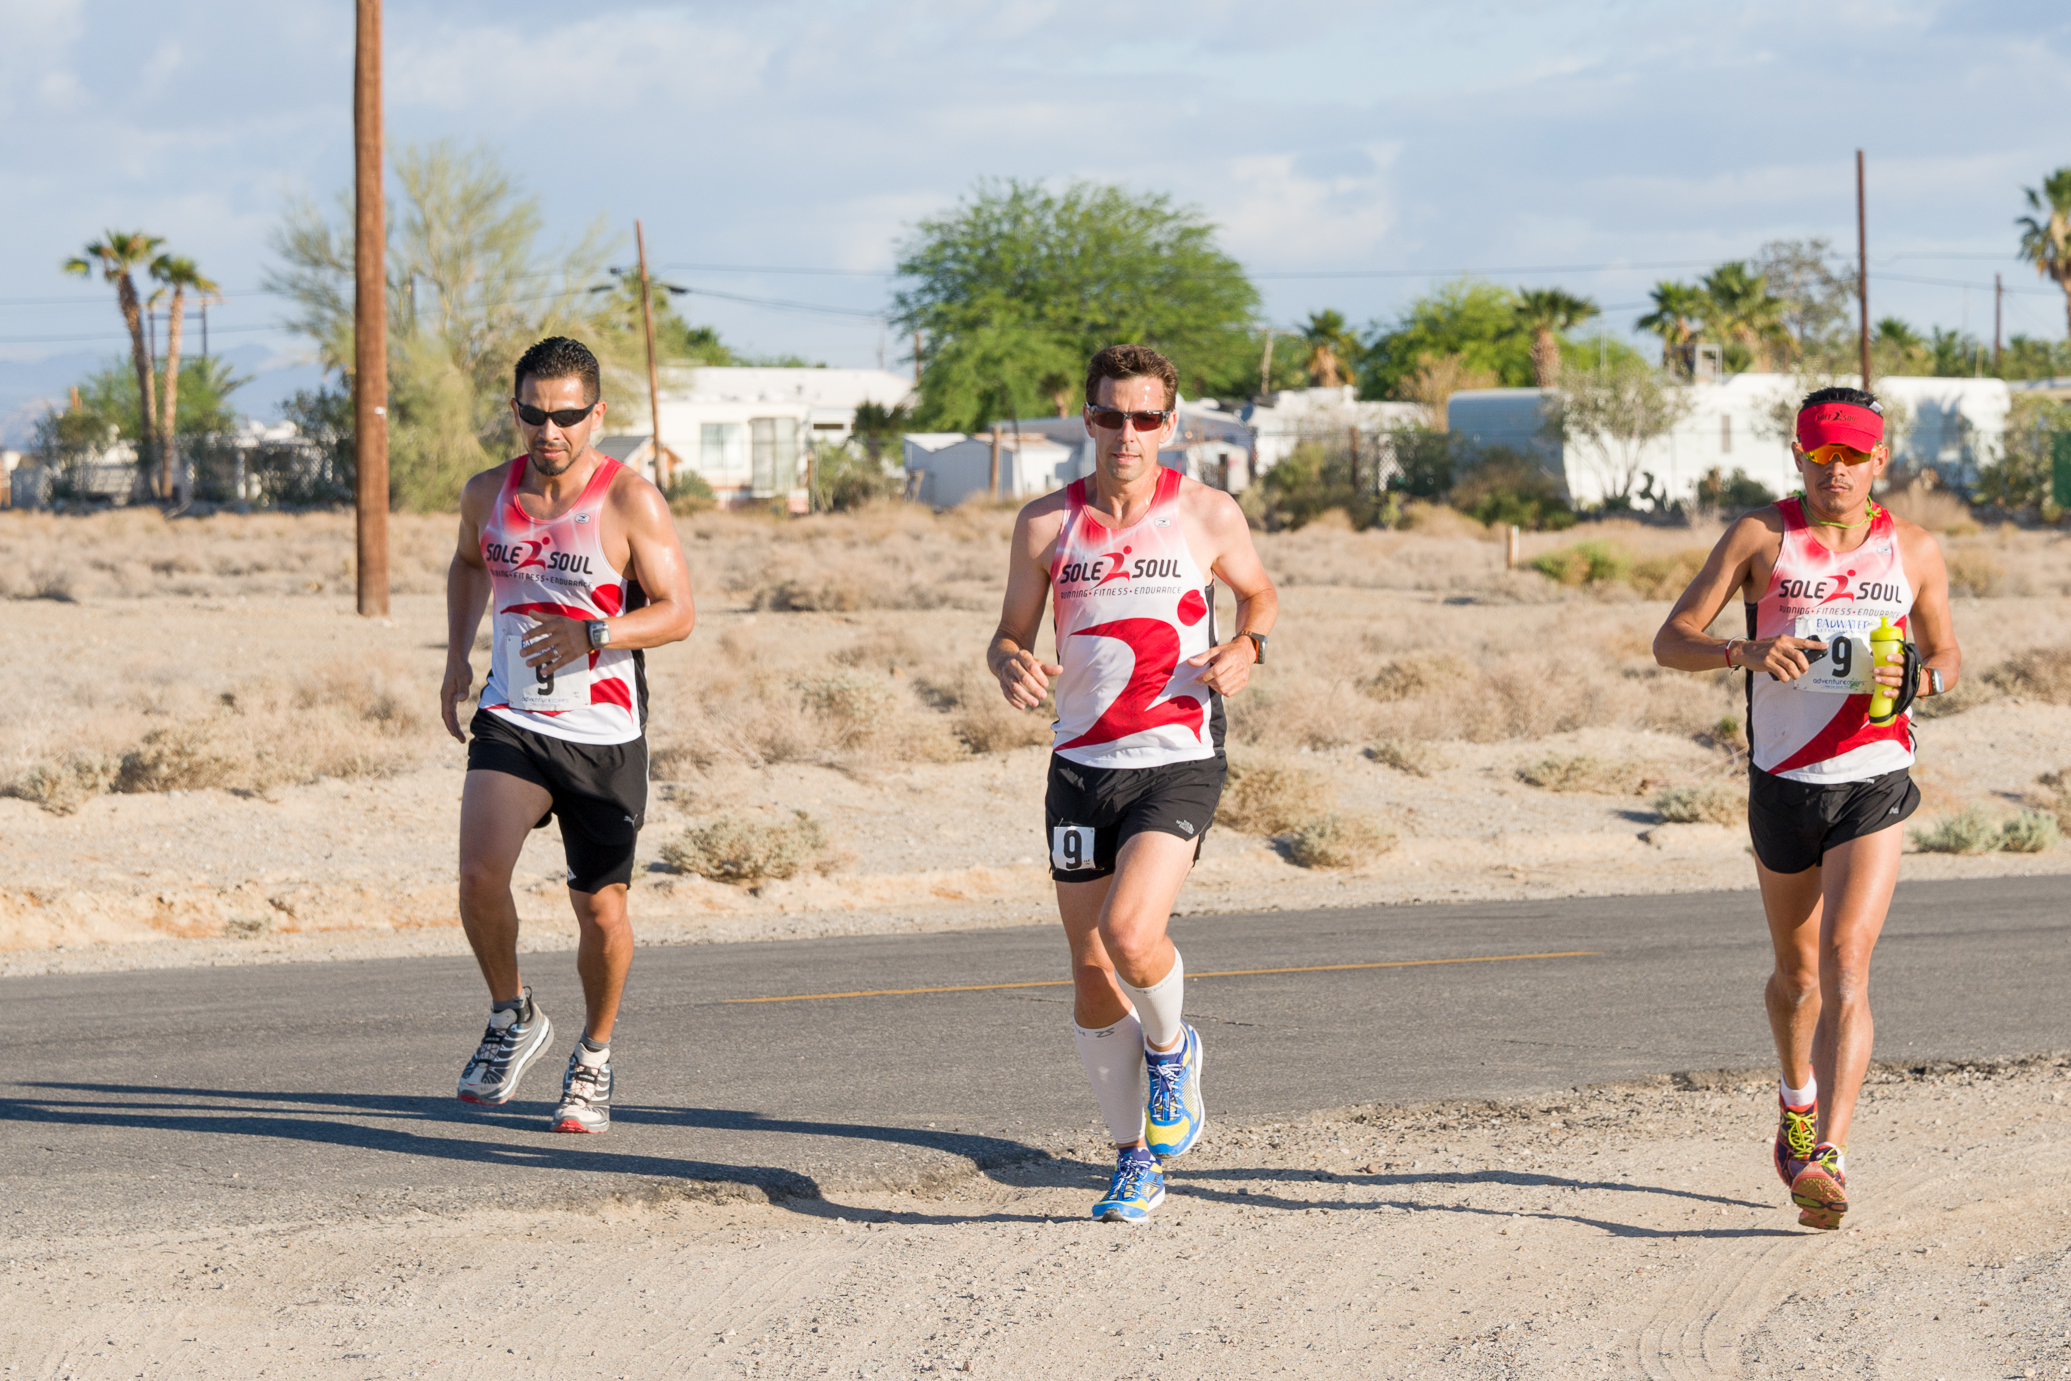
600 634
1258 646
1934 680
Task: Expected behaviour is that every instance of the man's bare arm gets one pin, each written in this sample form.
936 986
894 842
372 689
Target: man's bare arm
467 595
1684 645
1237 565
1024 677
1931 625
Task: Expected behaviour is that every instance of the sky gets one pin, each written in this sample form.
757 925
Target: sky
1351 154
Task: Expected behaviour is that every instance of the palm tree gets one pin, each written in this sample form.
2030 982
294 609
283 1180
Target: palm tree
1332 348
179 274
1678 316
2046 243
1744 312
115 254
1546 312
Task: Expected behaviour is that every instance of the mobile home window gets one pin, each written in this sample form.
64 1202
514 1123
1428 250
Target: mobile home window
722 451
775 444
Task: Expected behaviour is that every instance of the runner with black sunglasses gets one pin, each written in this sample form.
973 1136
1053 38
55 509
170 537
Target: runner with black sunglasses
1131 553
576 559
1830 748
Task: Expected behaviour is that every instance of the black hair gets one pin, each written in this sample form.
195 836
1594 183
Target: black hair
1859 397
558 357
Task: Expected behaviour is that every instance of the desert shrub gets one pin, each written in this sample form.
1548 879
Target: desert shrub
1586 563
1417 759
840 591
1705 803
1966 832
1732 494
744 852
1416 676
2056 796
844 480
1665 577
1338 840
1423 462
1936 509
2042 673
2029 832
1268 798
61 787
1966 694
1505 487
177 758
1579 772
1317 477
690 494
1974 572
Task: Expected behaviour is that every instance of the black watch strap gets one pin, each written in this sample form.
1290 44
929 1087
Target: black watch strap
1258 646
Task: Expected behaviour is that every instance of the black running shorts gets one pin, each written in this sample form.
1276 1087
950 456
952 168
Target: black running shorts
1795 823
1090 812
599 791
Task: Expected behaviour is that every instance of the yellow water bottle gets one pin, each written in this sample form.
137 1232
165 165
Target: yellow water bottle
1887 649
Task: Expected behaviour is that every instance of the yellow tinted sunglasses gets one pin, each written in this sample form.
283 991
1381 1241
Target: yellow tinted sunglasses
1828 454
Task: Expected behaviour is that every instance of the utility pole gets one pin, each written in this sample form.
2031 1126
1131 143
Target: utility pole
1265 367
1862 267
916 359
1998 309
369 318
654 390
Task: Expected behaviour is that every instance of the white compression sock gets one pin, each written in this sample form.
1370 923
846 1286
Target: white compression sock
1113 1056
1800 1097
1157 1006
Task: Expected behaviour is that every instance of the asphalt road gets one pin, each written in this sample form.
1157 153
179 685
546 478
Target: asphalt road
191 1097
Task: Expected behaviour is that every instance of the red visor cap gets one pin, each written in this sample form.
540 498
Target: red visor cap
1839 424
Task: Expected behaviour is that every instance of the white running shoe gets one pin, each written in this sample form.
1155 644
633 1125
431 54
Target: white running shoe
512 1042
585 1092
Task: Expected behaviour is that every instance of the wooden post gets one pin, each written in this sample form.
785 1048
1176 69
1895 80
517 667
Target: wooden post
1998 306
1510 549
992 487
370 318
654 391
1862 267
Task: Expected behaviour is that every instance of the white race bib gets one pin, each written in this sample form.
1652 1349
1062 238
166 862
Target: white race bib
536 688
1848 667
1071 847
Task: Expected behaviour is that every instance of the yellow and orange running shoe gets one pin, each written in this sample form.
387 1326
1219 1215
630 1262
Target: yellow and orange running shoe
1821 1188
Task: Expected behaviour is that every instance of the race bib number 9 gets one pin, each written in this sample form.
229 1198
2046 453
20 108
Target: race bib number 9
1848 667
536 688
1071 847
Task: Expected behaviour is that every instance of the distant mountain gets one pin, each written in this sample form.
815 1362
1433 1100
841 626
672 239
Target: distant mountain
29 387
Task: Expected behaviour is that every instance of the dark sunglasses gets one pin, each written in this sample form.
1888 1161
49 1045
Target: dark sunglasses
561 417
1112 419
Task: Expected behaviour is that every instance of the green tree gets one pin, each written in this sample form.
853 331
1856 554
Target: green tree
470 287
178 274
117 254
1330 350
1815 300
1955 354
1678 318
2046 235
1545 314
877 427
1016 288
1613 415
1470 320
676 341
2021 478
2028 358
1744 316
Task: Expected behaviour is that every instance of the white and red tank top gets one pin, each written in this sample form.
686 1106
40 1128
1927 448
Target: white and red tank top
1131 607
1817 728
557 566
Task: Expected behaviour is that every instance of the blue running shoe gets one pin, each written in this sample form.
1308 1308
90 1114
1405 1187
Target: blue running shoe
1174 1115
1137 1188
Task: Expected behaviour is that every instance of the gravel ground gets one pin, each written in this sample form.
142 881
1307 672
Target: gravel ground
1629 1231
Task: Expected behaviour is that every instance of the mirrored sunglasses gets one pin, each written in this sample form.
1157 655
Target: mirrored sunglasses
1112 418
561 417
1833 451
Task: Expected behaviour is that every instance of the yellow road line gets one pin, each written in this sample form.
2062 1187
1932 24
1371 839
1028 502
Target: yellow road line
1225 973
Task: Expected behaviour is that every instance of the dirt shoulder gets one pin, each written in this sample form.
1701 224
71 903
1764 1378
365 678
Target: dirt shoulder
1633 1231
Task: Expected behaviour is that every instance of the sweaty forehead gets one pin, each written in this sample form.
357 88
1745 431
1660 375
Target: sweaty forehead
552 394
1139 394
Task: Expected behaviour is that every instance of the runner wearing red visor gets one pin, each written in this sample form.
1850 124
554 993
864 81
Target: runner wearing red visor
1829 784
